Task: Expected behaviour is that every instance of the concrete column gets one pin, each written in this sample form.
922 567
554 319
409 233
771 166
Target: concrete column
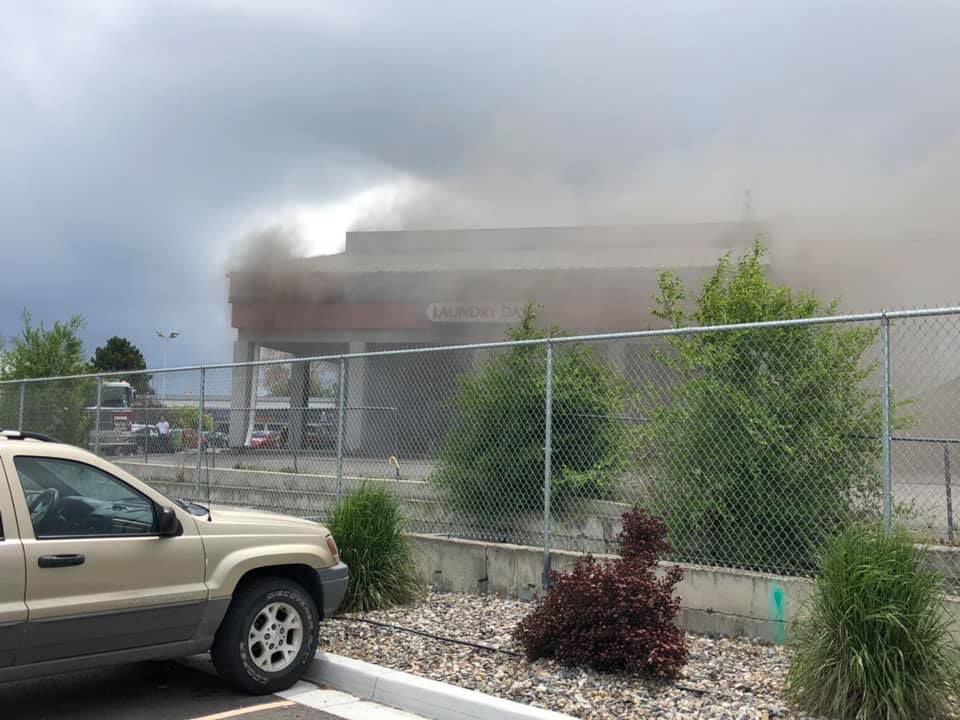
356 422
299 402
243 396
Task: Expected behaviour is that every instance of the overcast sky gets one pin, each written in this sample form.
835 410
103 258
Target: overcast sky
139 141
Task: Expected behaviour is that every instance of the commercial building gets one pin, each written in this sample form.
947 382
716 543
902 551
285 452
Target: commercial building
404 289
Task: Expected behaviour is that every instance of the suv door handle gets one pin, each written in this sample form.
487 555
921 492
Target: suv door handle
56 561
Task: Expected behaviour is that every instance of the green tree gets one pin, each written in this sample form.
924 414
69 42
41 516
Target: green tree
183 422
119 354
55 407
492 459
768 442
38 352
187 418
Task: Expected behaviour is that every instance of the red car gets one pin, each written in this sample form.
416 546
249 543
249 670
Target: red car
263 439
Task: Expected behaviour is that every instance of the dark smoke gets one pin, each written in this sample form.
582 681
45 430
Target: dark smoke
266 266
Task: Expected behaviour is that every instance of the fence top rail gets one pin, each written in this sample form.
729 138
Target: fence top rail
664 332
920 439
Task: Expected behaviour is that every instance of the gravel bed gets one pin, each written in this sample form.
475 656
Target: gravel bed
736 679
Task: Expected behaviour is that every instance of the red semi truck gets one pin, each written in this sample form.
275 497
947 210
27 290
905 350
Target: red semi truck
115 435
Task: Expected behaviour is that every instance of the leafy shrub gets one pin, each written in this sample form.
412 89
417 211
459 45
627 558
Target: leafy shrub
492 459
768 442
614 616
368 526
875 642
188 418
58 408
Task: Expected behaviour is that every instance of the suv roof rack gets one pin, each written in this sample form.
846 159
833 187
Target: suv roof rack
26 435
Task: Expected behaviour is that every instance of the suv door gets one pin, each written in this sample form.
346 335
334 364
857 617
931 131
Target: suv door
99 577
13 609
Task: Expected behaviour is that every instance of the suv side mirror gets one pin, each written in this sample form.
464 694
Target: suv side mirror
167 523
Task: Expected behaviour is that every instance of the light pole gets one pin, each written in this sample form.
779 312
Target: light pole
166 337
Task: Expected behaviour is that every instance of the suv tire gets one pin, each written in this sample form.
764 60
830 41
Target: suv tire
268 636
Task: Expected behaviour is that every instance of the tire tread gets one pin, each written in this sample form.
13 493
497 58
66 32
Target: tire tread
226 651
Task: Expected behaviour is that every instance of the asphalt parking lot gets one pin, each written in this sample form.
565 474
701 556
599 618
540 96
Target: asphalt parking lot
145 691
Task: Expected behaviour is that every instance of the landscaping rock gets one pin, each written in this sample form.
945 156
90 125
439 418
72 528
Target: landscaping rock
728 679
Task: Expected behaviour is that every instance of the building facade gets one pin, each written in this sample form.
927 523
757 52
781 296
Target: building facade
405 289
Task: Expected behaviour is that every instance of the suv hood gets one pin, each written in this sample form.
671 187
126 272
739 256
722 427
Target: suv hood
236 521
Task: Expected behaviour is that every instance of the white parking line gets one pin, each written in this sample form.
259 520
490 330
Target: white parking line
304 693
276 705
342 705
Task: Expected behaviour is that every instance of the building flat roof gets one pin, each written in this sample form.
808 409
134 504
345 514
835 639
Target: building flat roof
586 258
575 237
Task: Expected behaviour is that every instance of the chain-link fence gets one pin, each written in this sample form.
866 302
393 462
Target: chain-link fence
755 442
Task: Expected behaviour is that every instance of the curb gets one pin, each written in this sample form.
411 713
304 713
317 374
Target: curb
428 698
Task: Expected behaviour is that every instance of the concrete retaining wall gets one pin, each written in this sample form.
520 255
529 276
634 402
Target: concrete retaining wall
293 493
715 601
595 529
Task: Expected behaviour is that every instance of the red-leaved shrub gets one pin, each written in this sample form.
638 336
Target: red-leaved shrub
643 538
613 616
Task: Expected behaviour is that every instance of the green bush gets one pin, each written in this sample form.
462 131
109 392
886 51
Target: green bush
187 418
492 459
368 526
61 409
767 443
875 641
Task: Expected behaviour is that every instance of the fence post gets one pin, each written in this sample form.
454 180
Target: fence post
23 397
885 401
340 421
547 469
396 437
947 482
96 421
203 381
293 439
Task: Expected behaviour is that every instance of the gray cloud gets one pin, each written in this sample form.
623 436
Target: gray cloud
136 140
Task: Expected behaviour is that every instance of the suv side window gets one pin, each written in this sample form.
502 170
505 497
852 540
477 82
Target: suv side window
71 499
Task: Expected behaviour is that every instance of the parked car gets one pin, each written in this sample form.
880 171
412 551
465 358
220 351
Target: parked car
185 438
214 439
97 568
263 440
147 439
320 435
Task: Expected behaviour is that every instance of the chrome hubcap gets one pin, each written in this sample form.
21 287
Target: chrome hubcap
275 637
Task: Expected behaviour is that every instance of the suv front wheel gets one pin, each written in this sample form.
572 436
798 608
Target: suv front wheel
268 636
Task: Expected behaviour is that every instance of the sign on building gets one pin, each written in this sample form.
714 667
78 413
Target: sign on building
475 312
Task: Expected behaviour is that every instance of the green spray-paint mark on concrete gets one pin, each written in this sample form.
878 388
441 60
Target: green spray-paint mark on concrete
778 614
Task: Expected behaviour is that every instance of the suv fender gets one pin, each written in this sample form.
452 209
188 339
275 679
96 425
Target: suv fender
222 579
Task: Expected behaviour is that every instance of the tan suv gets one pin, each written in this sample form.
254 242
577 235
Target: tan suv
97 568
